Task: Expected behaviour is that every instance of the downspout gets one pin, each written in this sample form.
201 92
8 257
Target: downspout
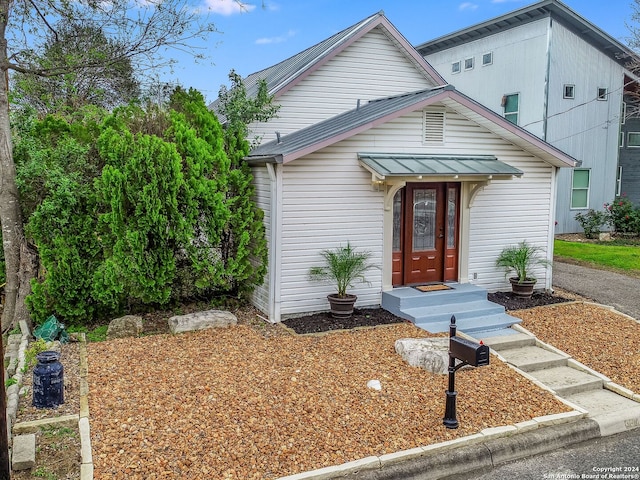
547 79
274 241
552 226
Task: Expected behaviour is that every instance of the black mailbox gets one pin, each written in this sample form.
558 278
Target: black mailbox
474 354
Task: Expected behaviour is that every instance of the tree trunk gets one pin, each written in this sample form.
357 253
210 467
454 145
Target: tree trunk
18 284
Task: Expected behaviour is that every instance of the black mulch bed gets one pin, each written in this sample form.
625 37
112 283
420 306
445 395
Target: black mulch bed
538 299
370 317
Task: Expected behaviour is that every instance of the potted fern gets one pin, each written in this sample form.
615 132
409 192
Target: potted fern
520 259
342 266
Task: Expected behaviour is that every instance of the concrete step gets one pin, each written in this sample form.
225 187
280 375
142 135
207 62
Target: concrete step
23 456
402 298
443 313
613 413
530 358
513 340
568 381
470 325
602 401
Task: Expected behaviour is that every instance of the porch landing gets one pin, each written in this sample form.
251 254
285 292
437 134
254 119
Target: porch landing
432 311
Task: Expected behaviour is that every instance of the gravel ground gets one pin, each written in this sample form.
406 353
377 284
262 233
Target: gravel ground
255 402
601 339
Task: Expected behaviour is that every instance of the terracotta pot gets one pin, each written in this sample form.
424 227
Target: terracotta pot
522 289
341 307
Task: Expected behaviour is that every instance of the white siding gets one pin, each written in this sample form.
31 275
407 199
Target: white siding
262 197
328 200
584 127
519 66
371 68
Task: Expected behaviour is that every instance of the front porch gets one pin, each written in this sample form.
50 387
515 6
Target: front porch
432 310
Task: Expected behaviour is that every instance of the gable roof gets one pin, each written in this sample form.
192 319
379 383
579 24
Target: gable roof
543 9
282 76
377 112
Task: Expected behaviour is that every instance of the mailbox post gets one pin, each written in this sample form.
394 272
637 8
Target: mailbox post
469 353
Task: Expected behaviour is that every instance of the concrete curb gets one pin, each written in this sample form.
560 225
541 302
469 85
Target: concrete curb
86 467
475 453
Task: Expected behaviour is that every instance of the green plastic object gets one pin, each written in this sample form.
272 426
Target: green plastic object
51 330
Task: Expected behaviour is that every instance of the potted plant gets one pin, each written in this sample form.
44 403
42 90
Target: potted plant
342 266
521 259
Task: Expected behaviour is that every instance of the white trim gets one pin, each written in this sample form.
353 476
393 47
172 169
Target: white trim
275 254
571 189
459 64
573 91
552 212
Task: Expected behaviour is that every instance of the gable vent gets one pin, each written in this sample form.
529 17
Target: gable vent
433 126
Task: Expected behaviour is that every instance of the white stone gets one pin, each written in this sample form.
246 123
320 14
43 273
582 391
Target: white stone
432 354
201 321
374 384
24 452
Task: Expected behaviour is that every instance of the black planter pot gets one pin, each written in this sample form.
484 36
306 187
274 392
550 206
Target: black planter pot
341 307
522 289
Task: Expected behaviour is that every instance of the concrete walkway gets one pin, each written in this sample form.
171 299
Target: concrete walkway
608 288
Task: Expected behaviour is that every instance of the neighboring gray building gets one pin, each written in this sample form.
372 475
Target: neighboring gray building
549 70
629 161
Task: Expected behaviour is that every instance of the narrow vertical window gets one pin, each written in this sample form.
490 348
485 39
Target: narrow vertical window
619 182
511 105
580 188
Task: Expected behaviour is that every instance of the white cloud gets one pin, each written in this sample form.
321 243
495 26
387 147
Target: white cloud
279 39
467 6
228 7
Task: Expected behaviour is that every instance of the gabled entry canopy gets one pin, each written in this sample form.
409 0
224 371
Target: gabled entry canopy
455 167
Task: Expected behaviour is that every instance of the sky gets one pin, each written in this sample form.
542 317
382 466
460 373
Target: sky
265 32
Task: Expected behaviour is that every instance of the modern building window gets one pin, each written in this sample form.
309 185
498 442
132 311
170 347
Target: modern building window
603 94
468 63
621 145
455 67
569 91
633 139
487 59
511 105
619 182
580 188
623 114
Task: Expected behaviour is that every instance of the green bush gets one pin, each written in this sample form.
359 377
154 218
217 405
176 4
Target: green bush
623 216
591 222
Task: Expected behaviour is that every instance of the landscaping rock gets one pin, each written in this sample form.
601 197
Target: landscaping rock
201 321
432 354
24 452
127 326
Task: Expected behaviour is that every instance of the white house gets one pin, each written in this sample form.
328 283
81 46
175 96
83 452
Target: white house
376 150
554 73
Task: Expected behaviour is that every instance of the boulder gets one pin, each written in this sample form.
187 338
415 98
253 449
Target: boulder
127 326
432 354
201 321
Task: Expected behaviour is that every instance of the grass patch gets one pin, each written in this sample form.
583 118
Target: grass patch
97 334
624 257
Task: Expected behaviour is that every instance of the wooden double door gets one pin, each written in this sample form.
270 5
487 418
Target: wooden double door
426 224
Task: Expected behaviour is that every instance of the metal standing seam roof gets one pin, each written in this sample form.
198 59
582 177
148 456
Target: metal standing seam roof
545 8
343 123
377 112
283 73
393 165
285 70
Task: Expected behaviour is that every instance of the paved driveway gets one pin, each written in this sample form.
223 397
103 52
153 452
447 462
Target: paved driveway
619 291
